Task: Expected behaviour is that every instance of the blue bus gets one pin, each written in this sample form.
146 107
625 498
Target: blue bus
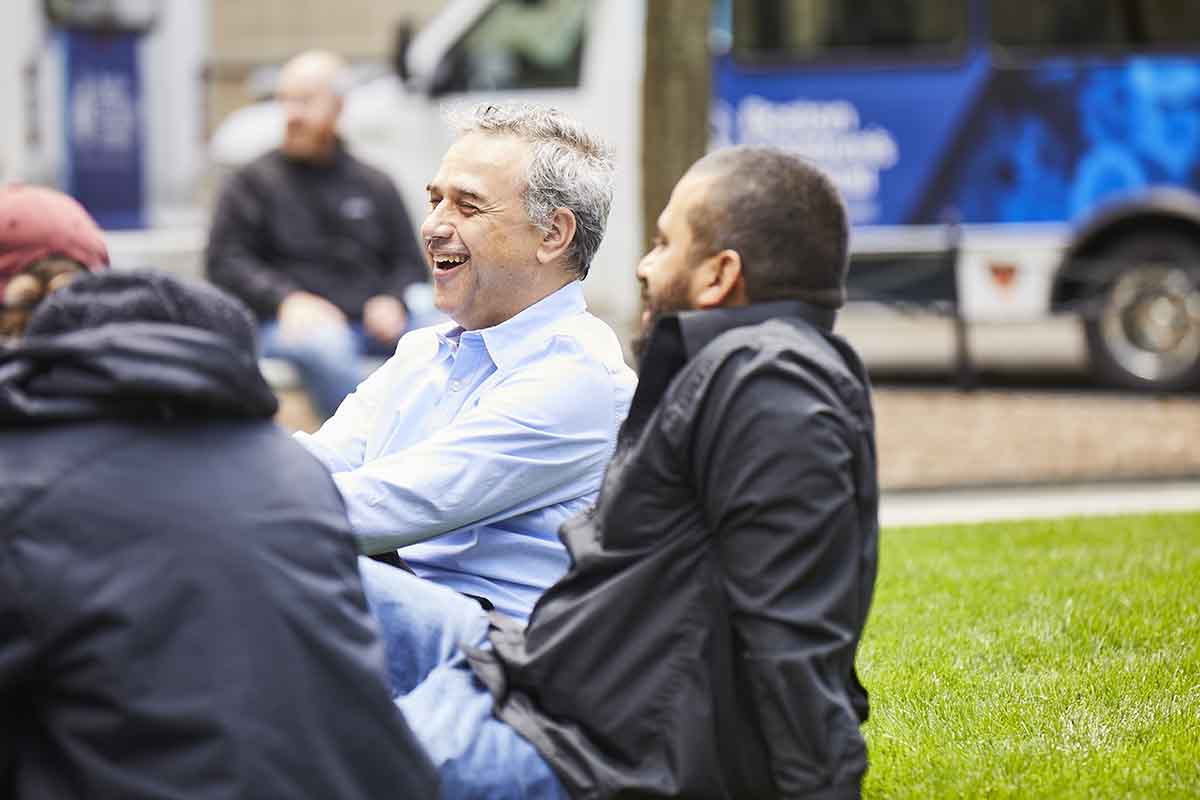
1004 159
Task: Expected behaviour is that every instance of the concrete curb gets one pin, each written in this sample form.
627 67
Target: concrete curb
976 505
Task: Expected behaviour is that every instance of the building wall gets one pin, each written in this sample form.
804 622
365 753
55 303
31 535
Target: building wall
173 58
21 32
250 34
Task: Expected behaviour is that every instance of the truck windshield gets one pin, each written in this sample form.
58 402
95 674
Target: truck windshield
521 44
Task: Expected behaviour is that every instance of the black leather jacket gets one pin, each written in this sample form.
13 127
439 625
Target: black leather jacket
702 644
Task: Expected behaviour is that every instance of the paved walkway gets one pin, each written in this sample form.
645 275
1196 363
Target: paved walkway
934 438
982 505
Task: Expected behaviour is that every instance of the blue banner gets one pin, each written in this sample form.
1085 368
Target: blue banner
103 123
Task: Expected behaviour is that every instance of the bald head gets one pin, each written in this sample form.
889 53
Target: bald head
310 89
317 69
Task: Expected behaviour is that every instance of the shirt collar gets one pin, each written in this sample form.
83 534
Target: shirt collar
518 336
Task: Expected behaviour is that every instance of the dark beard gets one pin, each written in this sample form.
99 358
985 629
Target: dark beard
640 343
673 299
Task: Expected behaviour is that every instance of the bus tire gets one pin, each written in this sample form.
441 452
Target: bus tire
1143 330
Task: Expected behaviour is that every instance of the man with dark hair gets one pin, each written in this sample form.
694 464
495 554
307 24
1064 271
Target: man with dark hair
180 609
702 644
316 242
746 216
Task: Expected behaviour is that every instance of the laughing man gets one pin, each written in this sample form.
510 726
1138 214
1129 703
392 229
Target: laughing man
479 438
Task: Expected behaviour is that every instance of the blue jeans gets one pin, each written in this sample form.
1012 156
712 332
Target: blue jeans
449 710
327 357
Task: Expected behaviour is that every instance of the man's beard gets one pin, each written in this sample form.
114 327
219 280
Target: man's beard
672 298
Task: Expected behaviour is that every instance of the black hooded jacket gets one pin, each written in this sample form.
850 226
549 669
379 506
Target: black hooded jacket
181 614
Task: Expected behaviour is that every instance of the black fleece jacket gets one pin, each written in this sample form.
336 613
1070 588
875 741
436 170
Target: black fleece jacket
338 230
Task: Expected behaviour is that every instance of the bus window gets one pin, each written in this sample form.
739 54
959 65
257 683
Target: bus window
810 29
1096 24
520 44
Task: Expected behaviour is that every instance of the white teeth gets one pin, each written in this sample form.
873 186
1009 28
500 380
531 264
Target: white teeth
449 259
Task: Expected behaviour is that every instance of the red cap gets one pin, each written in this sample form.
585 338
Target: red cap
36 222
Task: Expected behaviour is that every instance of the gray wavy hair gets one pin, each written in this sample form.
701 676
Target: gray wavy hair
569 168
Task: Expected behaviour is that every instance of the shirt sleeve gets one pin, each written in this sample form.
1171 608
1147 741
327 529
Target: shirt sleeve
341 442
232 257
774 467
541 436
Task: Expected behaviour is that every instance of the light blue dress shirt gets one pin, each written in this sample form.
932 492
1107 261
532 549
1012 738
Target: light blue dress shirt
468 449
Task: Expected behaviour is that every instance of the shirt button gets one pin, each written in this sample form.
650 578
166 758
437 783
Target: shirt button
455 386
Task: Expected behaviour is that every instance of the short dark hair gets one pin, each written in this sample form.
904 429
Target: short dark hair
785 219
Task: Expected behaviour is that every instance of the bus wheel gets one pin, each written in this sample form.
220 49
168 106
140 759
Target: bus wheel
1144 333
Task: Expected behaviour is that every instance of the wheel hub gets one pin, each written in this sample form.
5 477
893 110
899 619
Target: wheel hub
1151 322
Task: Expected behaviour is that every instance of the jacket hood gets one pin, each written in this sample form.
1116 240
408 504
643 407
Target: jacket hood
144 370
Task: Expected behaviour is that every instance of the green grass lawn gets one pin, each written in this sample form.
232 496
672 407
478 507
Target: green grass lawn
1037 659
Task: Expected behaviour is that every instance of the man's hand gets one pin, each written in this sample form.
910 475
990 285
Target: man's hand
384 318
301 312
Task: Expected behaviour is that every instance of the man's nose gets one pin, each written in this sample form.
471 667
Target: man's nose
434 227
643 268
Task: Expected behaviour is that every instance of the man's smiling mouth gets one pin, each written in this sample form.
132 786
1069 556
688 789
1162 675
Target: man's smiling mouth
445 263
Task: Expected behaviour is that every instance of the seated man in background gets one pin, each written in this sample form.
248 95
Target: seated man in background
472 444
46 240
702 644
316 242
181 614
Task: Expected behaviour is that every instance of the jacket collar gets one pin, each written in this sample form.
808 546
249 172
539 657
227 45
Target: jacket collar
524 333
337 159
698 328
677 338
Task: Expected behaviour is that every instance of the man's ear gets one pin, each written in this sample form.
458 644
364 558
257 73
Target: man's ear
719 281
558 236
